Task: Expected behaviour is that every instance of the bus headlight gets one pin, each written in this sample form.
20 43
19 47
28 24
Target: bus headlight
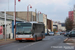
16 36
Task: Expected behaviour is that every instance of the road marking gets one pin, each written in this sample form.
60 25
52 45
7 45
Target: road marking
72 44
27 45
56 38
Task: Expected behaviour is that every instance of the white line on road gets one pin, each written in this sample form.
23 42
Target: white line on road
73 44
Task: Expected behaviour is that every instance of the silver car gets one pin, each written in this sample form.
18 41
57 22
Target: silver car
51 33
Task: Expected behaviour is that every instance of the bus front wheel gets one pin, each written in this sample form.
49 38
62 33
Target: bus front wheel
35 39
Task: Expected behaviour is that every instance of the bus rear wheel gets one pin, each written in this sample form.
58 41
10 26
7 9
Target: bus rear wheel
41 38
20 40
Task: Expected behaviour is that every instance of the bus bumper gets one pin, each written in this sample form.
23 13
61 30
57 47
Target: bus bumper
24 39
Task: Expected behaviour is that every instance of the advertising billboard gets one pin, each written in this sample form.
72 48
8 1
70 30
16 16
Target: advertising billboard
1 30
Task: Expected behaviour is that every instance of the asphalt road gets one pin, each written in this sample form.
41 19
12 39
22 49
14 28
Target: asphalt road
48 43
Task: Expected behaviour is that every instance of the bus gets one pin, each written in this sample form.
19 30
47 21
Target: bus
30 31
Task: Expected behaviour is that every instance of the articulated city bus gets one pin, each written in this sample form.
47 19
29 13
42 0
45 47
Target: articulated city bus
30 31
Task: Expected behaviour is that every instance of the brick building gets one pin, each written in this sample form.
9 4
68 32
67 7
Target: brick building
71 16
23 15
50 24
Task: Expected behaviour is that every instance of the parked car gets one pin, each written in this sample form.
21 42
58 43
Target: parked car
58 33
62 33
51 33
72 33
67 34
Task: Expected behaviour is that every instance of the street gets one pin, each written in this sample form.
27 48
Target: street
48 43
37 25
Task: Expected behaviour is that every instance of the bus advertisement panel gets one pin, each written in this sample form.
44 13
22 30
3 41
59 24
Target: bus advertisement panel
1 30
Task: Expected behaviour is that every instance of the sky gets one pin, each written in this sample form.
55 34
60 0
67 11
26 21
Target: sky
56 10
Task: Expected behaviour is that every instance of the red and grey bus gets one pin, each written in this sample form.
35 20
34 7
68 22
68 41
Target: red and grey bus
30 31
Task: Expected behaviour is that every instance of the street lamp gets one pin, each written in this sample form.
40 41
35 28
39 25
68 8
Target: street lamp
15 17
28 11
38 15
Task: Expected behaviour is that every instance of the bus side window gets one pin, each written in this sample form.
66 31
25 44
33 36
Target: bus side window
42 31
33 27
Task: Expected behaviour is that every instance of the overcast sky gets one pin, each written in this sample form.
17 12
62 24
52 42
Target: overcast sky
57 10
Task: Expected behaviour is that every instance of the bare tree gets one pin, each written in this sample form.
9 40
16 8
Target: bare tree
68 24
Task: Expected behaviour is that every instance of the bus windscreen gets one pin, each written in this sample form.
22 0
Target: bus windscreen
23 28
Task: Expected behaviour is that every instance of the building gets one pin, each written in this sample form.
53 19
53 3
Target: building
74 18
45 20
59 26
71 16
63 27
50 25
32 16
23 15
55 26
9 25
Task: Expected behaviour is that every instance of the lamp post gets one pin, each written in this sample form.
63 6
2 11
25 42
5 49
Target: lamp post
15 17
5 26
28 11
38 15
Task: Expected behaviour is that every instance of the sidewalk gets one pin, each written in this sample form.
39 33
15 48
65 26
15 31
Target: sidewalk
3 42
69 40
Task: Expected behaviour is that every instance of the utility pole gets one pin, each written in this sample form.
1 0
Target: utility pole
14 18
5 25
32 16
28 18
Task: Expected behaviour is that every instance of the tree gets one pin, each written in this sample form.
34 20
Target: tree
54 30
68 24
